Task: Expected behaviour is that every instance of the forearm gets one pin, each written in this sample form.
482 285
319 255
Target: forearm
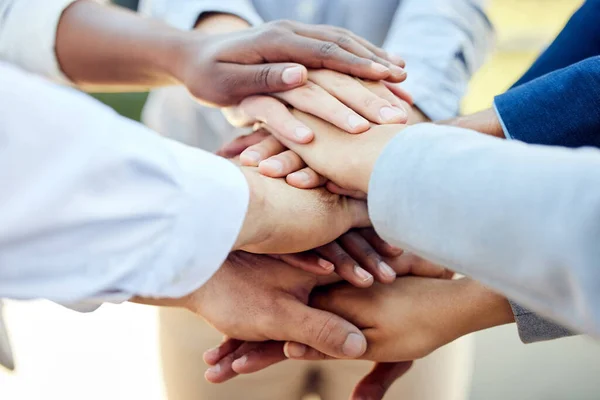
486 122
108 48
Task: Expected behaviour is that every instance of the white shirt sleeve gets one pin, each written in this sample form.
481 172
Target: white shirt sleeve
523 219
28 35
444 42
95 207
183 14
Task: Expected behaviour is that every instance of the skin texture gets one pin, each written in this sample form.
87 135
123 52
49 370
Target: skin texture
267 300
320 216
104 47
404 321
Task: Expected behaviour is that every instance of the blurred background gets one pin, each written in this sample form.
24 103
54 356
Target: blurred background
112 353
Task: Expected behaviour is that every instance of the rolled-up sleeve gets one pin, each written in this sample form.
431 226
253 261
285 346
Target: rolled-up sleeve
28 35
183 14
444 43
98 208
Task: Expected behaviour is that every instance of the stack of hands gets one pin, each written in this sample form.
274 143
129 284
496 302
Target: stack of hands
308 163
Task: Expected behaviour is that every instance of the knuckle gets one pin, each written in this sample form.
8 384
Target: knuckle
328 49
343 40
262 77
327 333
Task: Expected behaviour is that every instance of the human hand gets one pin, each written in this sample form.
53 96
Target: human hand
283 219
342 100
346 160
225 68
403 321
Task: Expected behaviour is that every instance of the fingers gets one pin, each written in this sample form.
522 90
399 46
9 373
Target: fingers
355 194
235 147
348 41
261 357
309 262
361 251
273 113
281 165
399 92
381 90
306 178
360 98
223 370
243 80
253 155
381 246
315 100
321 330
345 266
214 355
378 381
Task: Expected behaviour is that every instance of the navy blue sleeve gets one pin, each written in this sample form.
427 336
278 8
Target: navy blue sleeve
579 40
561 108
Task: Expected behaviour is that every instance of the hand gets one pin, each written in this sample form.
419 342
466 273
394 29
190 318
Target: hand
258 298
404 321
224 69
344 101
283 219
346 160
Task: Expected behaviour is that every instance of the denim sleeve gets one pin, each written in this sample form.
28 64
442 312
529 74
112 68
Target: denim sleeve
561 108
535 328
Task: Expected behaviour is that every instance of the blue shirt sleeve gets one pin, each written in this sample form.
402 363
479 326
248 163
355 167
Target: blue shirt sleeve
561 108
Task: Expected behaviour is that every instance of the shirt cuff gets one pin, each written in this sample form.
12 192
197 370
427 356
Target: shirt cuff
502 124
212 214
183 15
28 36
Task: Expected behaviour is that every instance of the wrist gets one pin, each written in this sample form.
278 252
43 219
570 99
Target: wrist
216 23
253 228
371 145
485 308
486 122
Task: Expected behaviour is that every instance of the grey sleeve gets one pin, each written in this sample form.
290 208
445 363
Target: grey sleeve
535 328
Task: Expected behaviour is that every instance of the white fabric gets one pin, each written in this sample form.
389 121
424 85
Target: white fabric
95 207
28 35
523 219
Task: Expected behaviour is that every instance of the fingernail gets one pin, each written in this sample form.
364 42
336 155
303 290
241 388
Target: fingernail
300 175
355 121
215 369
391 113
211 352
251 157
295 350
362 274
274 165
398 70
292 76
386 269
379 67
354 346
303 133
240 362
396 59
326 265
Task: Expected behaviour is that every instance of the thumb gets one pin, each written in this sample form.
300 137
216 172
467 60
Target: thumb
323 331
378 381
245 80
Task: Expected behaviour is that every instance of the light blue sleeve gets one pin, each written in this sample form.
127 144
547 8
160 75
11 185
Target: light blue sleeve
183 14
522 219
444 42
